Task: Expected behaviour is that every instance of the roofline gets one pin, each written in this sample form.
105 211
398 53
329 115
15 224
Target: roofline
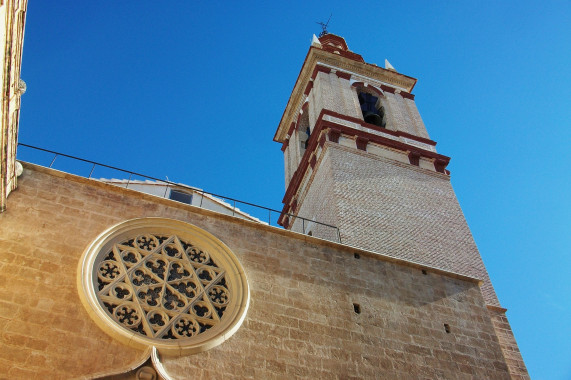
188 188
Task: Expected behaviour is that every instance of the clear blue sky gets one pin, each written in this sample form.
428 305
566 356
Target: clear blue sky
195 90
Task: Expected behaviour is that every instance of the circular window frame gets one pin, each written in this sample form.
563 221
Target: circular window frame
234 314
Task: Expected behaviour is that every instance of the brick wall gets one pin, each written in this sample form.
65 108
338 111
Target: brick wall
301 322
334 93
417 123
318 187
400 210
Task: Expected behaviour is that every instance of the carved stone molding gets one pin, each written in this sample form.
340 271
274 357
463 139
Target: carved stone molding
149 368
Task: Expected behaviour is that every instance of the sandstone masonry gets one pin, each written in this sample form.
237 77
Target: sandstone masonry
301 323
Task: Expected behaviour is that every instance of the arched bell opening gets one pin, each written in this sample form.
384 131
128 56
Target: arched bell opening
372 108
303 131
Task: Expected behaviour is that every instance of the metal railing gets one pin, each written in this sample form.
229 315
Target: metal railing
333 231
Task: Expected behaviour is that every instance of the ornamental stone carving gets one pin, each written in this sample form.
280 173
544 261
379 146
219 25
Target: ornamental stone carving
163 283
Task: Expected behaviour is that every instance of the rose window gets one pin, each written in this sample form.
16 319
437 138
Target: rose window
168 284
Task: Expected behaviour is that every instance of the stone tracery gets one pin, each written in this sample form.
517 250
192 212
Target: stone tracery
162 287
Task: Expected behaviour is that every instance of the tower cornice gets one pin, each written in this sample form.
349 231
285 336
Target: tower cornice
347 66
328 129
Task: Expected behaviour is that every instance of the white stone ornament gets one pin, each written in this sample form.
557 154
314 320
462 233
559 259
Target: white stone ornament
388 65
19 168
315 42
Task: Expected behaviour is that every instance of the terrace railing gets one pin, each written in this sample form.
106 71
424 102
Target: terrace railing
81 167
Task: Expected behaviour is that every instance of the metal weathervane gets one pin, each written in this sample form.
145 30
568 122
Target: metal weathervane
324 26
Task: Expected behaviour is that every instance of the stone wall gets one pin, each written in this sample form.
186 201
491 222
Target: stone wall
508 343
304 291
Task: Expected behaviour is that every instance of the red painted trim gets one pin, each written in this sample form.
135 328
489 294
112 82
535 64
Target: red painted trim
322 141
343 50
392 90
313 161
373 88
304 108
407 95
380 129
335 130
318 69
351 55
308 88
343 75
343 53
414 158
440 166
291 129
334 39
388 88
333 134
285 145
295 85
390 143
362 143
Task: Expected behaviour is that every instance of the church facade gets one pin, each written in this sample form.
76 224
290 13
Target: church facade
101 281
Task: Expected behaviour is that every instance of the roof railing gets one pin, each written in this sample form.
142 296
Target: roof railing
306 226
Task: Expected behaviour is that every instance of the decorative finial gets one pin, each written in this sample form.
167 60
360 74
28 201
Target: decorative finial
324 26
388 65
315 42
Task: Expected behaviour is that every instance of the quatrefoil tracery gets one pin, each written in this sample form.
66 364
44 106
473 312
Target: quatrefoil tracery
162 287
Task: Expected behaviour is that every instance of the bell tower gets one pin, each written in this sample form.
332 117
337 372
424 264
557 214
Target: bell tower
358 156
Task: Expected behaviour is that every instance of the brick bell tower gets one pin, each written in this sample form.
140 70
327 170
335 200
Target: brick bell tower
358 156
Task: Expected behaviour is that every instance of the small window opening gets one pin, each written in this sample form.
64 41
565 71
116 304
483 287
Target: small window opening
447 328
357 256
303 132
424 272
371 113
357 308
306 142
180 196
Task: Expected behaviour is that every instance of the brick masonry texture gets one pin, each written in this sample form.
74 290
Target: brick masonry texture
333 93
399 210
414 216
319 187
301 322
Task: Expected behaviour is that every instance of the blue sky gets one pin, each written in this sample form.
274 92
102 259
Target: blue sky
195 90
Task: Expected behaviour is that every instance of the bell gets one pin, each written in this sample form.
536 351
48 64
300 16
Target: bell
373 118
